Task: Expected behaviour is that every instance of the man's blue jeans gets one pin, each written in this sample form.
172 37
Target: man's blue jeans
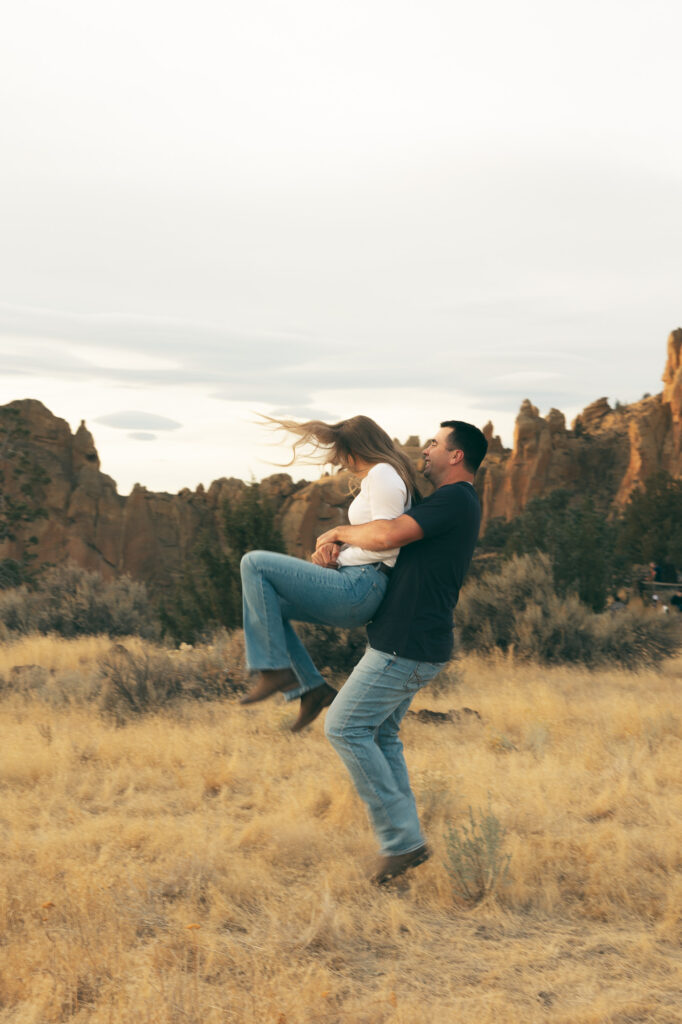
278 589
362 725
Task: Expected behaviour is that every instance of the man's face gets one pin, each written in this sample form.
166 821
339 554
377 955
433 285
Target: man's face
437 456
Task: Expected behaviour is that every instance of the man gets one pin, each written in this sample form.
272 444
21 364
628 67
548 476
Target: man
410 637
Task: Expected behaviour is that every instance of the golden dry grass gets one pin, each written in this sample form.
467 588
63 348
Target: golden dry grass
205 865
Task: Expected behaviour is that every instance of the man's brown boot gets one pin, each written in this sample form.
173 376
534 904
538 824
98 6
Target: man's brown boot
312 703
393 865
272 680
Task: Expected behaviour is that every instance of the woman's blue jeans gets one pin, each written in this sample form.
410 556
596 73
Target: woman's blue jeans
362 725
278 589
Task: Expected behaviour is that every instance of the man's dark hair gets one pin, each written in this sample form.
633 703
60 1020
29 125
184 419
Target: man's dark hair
469 440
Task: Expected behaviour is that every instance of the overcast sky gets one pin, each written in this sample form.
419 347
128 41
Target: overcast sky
414 210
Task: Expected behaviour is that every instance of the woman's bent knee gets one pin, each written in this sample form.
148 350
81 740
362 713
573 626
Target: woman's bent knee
251 561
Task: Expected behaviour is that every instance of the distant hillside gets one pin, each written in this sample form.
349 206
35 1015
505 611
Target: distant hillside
52 488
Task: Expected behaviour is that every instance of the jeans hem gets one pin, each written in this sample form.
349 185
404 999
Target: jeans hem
402 853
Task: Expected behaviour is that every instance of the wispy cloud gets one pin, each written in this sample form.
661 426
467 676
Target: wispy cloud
294 372
136 420
236 365
527 377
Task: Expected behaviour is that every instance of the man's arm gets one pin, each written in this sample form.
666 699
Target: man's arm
379 535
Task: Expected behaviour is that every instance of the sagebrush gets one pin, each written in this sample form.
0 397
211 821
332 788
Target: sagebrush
135 680
476 862
517 608
70 601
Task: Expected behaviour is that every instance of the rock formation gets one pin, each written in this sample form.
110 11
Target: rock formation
607 452
75 513
672 398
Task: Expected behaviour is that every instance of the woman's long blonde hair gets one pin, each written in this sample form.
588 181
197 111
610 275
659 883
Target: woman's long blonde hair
358 437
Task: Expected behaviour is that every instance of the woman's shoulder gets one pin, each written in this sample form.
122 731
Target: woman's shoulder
383 473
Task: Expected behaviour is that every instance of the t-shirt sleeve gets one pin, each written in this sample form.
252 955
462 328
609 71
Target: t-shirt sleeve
386 492
438 513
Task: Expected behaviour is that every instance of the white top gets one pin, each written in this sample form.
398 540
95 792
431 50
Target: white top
382 495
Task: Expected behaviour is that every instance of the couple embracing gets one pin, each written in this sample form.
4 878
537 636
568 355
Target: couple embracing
398 568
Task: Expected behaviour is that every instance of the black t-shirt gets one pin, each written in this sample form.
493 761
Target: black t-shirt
415 618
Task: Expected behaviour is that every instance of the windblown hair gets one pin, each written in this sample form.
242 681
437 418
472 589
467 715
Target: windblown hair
333 443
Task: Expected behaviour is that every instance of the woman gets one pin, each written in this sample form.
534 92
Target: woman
344 586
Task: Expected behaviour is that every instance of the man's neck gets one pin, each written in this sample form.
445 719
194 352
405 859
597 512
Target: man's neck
456 475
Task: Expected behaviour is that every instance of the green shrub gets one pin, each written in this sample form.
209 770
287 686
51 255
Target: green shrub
207 593
517 609
55 688
137 681
650 526
486 614
17 611
22 482
72 602
207 596
637 637
134 678
575 534
134 683
12 573
476 864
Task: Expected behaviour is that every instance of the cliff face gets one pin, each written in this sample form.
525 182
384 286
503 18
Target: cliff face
672 398
607 452
150 536
82 517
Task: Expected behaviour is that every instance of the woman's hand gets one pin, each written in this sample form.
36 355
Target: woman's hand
326 555
325 539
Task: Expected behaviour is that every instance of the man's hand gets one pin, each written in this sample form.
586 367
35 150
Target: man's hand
326 555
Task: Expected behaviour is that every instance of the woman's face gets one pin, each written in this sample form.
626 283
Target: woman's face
344 461
357 466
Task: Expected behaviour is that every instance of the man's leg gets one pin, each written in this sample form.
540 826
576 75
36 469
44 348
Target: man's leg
388 740
362 725
387 735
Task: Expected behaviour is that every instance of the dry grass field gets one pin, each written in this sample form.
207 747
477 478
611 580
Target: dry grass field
202 864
